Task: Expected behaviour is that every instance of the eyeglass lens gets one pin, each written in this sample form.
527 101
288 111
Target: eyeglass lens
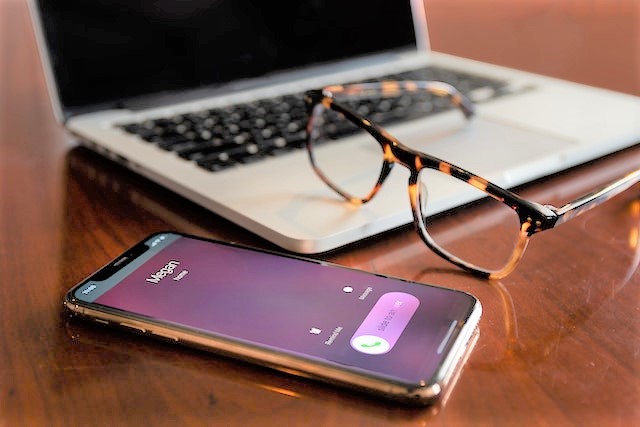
482 223
483 232
331 134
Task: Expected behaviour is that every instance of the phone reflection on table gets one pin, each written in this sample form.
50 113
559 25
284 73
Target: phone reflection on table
227 384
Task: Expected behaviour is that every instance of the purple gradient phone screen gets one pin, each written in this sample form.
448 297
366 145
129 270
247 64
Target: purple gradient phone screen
345 316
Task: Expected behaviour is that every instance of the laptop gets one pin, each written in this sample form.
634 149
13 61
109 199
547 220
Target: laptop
121 74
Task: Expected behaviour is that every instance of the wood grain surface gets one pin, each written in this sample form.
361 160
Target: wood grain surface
560 337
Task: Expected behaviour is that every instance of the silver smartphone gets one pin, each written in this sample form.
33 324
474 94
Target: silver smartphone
381 335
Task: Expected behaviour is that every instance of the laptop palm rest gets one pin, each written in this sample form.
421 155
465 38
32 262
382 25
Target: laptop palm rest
317 219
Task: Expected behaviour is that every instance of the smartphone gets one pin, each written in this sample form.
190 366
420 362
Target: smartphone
386 336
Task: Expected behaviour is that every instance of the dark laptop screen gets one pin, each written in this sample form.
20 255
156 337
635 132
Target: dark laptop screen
103 51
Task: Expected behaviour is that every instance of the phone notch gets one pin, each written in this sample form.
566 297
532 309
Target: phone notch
119 263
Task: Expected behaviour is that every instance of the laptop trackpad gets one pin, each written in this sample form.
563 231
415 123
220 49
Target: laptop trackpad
503 153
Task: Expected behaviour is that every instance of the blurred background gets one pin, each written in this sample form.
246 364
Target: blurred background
570 39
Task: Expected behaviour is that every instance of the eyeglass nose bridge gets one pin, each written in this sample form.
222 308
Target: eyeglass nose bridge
394 152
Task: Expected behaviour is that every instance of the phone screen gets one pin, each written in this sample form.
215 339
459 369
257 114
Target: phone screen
321 311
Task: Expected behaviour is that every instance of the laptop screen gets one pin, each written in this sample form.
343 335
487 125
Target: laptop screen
105 51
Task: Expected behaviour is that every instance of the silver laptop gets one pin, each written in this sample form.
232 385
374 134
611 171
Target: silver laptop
152 85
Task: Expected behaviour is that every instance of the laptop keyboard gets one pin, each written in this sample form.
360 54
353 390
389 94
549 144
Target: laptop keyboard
220 138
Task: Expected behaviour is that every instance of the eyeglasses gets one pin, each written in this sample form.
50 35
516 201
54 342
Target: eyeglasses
496 228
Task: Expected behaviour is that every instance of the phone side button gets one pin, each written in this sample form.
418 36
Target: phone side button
135 328
165 336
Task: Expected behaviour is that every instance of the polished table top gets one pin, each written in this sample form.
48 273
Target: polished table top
559 342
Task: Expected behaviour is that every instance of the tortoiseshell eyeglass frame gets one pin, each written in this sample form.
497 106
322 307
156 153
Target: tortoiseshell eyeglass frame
533 217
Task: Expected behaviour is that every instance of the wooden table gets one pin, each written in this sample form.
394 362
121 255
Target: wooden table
559 340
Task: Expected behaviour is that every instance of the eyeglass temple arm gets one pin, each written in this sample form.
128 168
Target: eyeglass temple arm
442 89
591 200
392 87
